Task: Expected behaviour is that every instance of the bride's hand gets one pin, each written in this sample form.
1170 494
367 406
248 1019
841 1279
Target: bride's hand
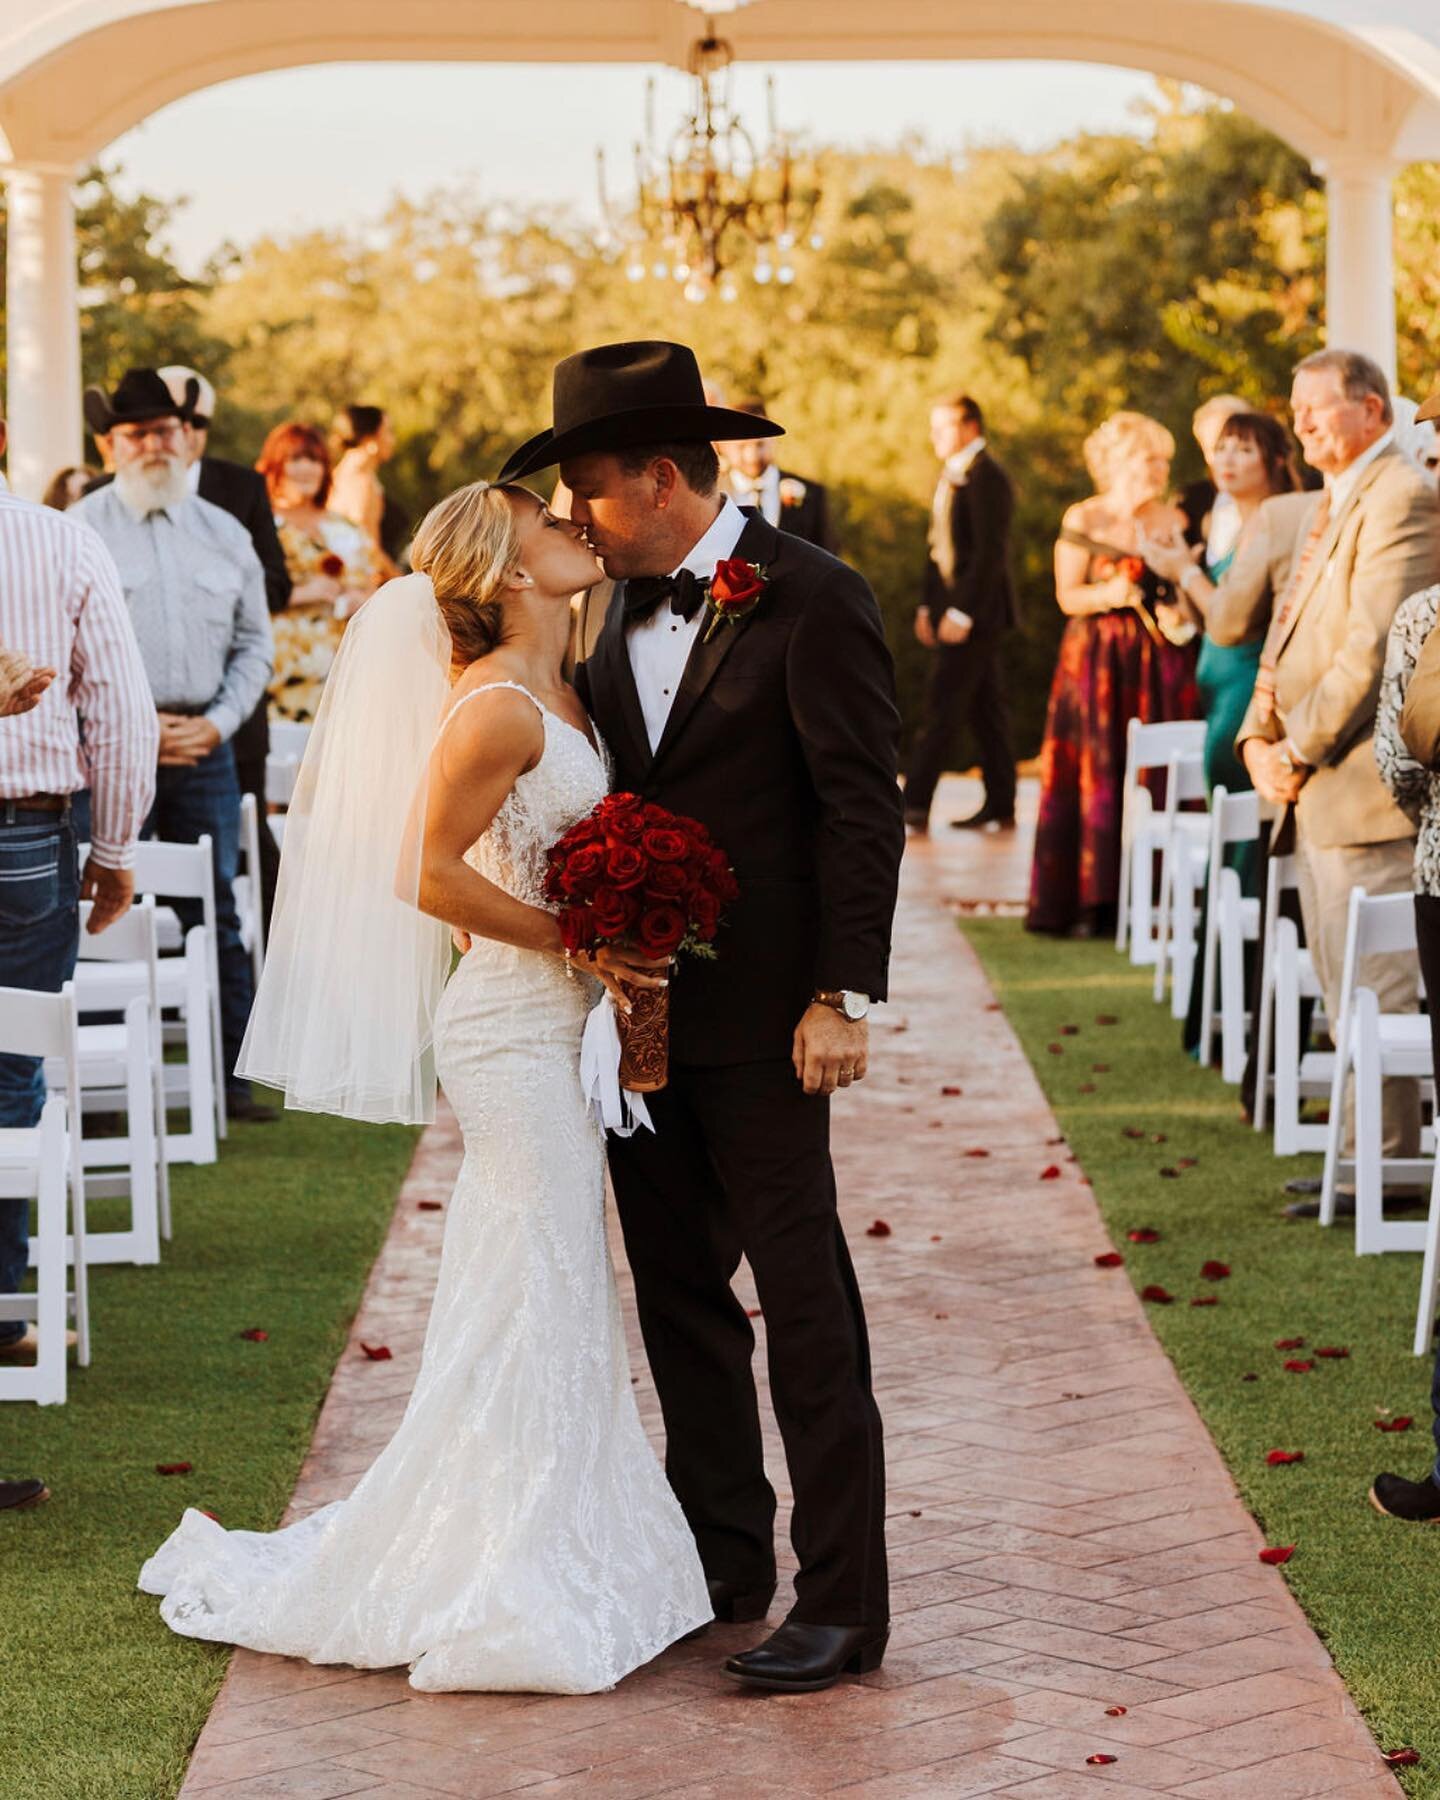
619 969
462 940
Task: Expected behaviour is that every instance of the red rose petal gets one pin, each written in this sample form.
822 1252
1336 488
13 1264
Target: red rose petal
1099 1068
1069 1031
172 1468
1156 1294
255 1335
1106 1019
1116 1712
1278 1459
1334 1352
1289 1343
1051 1174
952 1093
1206 1300
917 1514
1110 1259
1056 1140
208 1514
377 1352
942 1315
878 1229
1101 1756
430 1206
1144 1234
977 1152
1215 1271
1249 1377
1056 1049
1400 1759
1157 1137
1298 1368
1403 1423
1132 1131
1187 1162
992 1006
1280 1553
934 1237
1170 1174
752 1312
1086 1087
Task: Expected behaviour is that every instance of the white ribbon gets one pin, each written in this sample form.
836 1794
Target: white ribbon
618 1110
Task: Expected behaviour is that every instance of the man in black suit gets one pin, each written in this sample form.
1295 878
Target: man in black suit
241 492
752 477
968 607
779 731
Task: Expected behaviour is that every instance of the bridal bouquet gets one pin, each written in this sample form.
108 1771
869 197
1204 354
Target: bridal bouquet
635 874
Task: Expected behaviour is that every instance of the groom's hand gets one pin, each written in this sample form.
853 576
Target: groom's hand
830 1051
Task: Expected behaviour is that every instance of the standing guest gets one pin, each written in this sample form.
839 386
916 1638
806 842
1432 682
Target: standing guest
75 713
1252 463
782 498
332 565
1372 537
66 487
968 607
1117 662
1209 515
365 441
196 593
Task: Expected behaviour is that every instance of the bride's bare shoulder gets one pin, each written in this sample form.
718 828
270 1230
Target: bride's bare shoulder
493 723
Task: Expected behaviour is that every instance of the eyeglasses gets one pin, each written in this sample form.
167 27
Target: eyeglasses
137 435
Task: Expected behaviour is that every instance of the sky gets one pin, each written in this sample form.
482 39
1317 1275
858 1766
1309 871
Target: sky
279 153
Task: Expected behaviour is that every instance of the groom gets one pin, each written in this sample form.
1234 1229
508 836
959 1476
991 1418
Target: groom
780 733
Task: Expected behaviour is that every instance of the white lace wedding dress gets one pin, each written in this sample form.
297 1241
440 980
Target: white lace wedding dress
517 1533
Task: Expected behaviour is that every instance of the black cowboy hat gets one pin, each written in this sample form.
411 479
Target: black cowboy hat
141 395
620 396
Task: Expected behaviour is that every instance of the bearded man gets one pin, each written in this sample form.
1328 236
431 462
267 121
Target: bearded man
196 594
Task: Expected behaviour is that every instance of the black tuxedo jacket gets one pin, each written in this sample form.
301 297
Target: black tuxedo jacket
783 739
980 515
242 493
810 517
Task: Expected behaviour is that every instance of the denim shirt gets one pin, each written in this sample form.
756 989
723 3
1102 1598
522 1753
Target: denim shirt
196 594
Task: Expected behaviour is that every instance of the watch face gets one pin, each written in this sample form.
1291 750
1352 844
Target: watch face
856 1006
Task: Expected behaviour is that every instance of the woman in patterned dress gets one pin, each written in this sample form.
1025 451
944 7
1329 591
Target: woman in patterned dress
331 563
1117 662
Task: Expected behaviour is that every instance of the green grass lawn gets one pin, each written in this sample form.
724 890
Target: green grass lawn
98 1700
1370 1586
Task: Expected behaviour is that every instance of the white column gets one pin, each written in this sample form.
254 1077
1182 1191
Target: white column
42 326
1360 259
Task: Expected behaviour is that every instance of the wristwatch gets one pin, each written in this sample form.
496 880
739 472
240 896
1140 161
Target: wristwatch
846 1002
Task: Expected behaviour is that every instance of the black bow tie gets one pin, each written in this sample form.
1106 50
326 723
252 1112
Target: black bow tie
646 594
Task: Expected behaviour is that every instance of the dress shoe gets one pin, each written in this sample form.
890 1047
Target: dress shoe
734 1605
26 1347
241 1104
802 1659
15 1496
1303 1184
1397 1498
918 822
1310 1209
977 821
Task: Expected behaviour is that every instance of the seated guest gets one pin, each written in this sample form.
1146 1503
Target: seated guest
332 566
196 595
1117 662
364 442
752 477
66 487
1252 462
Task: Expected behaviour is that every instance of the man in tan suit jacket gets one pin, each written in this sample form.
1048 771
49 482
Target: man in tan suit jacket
1371 539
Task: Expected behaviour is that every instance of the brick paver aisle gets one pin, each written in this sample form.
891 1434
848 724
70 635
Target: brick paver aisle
1073 1574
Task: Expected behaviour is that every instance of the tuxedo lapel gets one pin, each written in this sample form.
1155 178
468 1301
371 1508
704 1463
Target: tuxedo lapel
758 543
613 678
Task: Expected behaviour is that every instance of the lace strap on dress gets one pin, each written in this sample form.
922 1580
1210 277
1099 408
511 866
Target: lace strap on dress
489 688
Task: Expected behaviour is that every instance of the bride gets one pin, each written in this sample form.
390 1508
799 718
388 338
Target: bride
517 1532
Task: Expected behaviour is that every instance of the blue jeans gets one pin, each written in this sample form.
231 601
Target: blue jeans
39 941
189 802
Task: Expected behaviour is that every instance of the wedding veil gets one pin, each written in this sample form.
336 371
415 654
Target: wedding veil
343 1020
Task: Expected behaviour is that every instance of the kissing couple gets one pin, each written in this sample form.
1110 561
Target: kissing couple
517 1533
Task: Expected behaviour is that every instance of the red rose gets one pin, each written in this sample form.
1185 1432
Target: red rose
661 930
667 881
625 866
720 877
735 584
624 827
705 910
614 911
663 844
577 929
582 869
331 565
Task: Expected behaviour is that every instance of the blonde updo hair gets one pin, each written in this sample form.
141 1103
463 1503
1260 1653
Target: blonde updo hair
469 546
1118 439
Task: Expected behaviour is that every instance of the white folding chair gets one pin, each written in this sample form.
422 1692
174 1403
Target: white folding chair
1430 1272
1238 925
187 872
123 1066
1299 1074
288 738
35 1165
281 774
1147 748
1183 856
249 901
1234 819
1372 1047
44 1025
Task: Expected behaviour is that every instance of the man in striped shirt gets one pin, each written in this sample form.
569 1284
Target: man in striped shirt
92 727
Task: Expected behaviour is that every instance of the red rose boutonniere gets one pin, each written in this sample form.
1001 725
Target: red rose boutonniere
733 594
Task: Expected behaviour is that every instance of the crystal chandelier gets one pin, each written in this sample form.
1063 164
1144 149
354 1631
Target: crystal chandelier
711 194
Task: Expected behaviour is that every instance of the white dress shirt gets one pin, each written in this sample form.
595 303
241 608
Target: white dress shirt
660 646
1343 485
764 493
